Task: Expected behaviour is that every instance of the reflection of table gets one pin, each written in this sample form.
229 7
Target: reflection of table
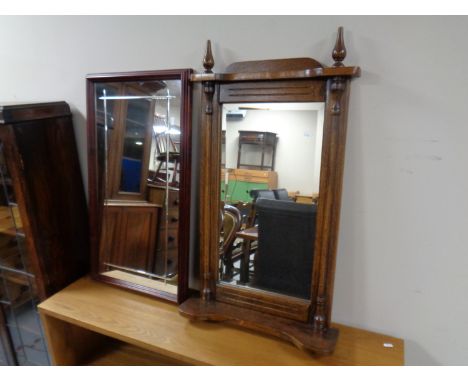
248 235
306 199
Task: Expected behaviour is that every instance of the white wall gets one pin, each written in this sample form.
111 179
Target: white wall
296 147
402 258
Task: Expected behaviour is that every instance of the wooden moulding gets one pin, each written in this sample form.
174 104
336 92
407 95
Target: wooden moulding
343 71
306 90
300 334
277 69
32 112
306 323
267 302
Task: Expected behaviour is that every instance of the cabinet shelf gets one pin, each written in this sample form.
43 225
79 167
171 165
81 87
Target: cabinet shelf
93 323
118 353
43 220
9 215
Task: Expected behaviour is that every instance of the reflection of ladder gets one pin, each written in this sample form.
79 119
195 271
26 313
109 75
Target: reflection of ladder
168 156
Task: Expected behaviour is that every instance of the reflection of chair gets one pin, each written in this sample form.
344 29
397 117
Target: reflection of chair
168 156
286 236
231 223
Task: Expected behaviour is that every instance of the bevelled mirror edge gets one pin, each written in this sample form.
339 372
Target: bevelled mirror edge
310 329
179 79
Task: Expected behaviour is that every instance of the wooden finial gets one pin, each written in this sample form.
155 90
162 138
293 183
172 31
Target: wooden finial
208 60
339 51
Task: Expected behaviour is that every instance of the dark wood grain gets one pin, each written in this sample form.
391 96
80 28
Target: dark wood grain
95 176
300 334
278 65
42 159
317 73
339 51
273 91
329 204
288 80
16 113
130 235
208 61
167 248
185 185
264 301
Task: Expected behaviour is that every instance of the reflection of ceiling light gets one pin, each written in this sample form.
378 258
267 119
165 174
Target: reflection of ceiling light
148 97
161 129
174 130
139 143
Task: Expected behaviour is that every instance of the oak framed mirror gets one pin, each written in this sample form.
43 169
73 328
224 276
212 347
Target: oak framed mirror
139 152
273 139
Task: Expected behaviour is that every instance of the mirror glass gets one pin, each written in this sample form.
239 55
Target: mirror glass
138 140
270 176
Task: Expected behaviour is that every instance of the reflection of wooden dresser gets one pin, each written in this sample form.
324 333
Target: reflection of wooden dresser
130 235
242 181
130 123
168 233
265 140
306 199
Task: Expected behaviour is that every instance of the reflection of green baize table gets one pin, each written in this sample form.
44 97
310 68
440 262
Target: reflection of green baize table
242 181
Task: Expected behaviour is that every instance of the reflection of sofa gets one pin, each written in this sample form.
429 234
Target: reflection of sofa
281 194
266 194
286 236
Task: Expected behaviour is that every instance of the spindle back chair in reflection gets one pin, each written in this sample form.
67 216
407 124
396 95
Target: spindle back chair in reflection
168 157
231 223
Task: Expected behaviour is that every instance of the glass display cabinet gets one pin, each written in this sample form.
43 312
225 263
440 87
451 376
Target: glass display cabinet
43 222
22 339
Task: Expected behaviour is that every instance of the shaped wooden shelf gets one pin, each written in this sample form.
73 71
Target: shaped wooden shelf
91 323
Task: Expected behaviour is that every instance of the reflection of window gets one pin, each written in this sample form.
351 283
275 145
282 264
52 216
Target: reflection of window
130 175
136 125
108 91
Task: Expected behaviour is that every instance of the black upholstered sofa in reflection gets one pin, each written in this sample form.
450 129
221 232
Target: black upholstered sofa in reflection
286 235
265 194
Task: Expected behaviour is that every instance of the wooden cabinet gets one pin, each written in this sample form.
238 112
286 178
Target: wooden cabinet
130 236
167 248
43 221
129 128
265 141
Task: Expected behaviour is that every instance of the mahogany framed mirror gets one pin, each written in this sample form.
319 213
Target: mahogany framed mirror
273 140
139 152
